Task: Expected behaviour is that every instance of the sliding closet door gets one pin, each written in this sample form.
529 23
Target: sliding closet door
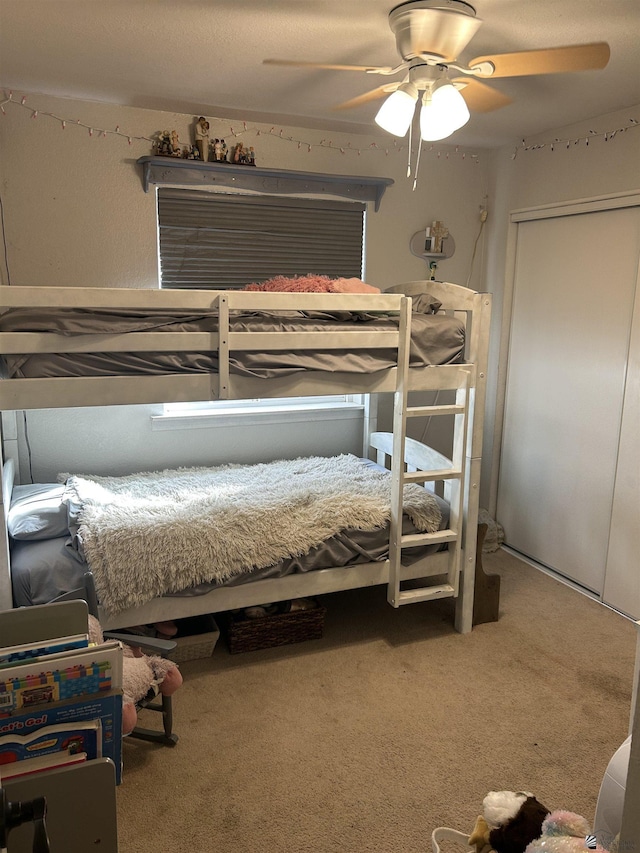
573 303
622 579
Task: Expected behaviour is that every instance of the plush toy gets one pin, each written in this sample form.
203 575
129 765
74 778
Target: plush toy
565 832
479 838
509 821
140 673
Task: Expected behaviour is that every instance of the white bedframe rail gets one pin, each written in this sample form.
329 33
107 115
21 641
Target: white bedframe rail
8 473
35 393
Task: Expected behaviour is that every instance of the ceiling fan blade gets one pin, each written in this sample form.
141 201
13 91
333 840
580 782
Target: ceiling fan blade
552 60
481 98
292 62
373 95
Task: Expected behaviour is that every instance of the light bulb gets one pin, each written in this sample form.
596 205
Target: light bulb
396 113
443 112
448 98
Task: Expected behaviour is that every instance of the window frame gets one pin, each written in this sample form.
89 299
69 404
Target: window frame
226 240
260 410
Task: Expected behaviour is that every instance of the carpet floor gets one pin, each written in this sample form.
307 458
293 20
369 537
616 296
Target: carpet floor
390 725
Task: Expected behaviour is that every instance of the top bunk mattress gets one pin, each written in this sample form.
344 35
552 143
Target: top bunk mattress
437 338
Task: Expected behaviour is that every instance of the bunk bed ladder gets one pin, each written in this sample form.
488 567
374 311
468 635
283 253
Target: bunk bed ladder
437 467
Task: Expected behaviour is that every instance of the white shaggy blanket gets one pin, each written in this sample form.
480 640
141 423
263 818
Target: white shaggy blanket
148 534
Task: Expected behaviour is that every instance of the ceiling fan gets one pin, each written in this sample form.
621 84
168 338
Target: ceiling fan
430 35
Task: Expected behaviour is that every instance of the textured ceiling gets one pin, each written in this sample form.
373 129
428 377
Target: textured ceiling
205 57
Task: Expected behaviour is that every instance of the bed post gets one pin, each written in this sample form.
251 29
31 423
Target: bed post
478 355
8 470
371 404
6 593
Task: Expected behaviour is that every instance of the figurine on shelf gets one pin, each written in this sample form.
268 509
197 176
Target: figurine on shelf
192 153
218 150
163 144
225 150
239 154
244 156
438 234
202 138
176 148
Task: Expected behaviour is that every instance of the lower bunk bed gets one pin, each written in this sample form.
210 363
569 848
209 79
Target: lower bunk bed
369 346
144 537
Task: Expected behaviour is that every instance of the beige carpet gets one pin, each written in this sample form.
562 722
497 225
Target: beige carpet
389 726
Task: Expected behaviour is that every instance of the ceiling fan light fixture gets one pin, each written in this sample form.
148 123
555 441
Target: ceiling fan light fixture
447 97
443 112
396 113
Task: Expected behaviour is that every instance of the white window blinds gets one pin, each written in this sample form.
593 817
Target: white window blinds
223 241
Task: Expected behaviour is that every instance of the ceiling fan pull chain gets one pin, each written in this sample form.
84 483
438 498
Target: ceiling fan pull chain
409 158
415 179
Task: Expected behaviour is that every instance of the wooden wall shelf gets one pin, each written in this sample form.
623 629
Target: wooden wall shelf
173 170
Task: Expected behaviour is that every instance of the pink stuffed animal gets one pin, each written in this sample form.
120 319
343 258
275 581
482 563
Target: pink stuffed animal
140 673
565 832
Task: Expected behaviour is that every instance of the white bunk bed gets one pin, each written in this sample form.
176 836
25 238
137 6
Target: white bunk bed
449 573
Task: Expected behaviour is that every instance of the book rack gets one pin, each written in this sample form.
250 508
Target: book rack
60 729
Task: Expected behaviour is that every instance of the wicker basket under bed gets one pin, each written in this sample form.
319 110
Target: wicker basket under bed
196 645
278 629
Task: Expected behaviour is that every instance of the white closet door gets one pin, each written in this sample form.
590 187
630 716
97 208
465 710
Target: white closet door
573 303
622 578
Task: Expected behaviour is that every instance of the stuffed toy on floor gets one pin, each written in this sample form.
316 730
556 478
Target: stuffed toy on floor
565 832
509 821
140 674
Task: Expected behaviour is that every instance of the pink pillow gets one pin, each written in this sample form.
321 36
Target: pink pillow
353 285
313 284
297 284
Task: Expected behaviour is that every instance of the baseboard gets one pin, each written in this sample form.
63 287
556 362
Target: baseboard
563 580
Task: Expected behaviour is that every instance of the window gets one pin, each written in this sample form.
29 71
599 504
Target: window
224 241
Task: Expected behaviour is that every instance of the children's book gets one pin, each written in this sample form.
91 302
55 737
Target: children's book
78 687
73 717
70 674
80 736
16 655
51 761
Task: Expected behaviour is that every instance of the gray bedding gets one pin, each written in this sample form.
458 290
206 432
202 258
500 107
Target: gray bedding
435 339
43 569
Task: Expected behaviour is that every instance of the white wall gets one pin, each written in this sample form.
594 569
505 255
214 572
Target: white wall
119 439
75 214
539 176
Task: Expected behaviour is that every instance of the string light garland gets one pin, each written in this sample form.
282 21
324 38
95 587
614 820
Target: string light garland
566 144
235 132
395 147
68 121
